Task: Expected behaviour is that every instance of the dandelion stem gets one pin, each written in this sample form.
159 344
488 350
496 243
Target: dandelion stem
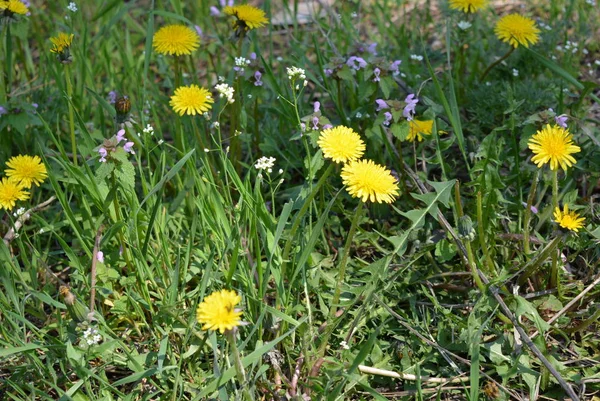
71 113
4 86
554 272
527 217
495 63
239 367
482 242
470 257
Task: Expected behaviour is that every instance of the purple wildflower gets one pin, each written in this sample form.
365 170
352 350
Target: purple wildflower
356 63
376 72
327 126
372 49
328 72
409 109
381 104
198 30
302 127
395 67
35 105
317 107
100 256
103 154
214 11
112 97
128 147
561 120
315 122
257 77
252 56
533 208
388 118
3 110
120 135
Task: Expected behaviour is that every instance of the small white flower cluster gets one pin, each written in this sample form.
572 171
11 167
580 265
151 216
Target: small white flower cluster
72 7
416 57
545 26
91 336
515 72
242 62
225 91
591 2
19 212
464 25
265 163
570 47
149 129
295 73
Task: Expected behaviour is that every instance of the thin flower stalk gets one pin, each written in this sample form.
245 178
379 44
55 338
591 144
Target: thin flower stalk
71 112
554 281
527 218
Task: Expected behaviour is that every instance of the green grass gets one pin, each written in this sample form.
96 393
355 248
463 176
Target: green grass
445 287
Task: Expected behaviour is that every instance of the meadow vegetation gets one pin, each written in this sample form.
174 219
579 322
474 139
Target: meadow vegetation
288 200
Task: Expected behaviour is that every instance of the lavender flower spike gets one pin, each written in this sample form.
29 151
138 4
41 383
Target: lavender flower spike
409 109
381 104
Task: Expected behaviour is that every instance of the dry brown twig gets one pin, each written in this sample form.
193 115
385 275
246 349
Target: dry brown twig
12 233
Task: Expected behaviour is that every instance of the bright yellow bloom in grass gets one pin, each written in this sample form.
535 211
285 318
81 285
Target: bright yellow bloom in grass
467 6
341 144
517 30
61 42
14 6
191 100
175 40
569 220
27 170
419 128
218 312
553 144
11 191
369 181
248 17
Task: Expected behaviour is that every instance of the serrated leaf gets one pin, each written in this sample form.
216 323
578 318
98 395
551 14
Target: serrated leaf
346 74
387 84
104 171
400 130
444 251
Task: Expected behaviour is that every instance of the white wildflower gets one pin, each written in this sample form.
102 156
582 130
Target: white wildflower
464 25
149 130
416 57
225 91
265 163
91 336
72 7
515 72
296 73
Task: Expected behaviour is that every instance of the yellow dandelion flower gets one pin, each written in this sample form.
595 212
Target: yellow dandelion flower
247 17
553 144
27 170
14 7
341 144
61 42
176 40
369 181
191 100
569 220
419 128
467 6
517 30
11 191
218 312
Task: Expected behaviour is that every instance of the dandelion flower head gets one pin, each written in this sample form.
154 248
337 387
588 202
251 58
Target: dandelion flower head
27 170
367 180
14 6
419 128
341 144
467 6
554 145
218 312
176 40
517 30
191 100
568 219
248 17
11 191
61 42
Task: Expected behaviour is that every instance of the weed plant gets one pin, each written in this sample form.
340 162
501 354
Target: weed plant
299 200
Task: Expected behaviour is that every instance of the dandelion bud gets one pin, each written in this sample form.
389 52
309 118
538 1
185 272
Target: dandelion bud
122 107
